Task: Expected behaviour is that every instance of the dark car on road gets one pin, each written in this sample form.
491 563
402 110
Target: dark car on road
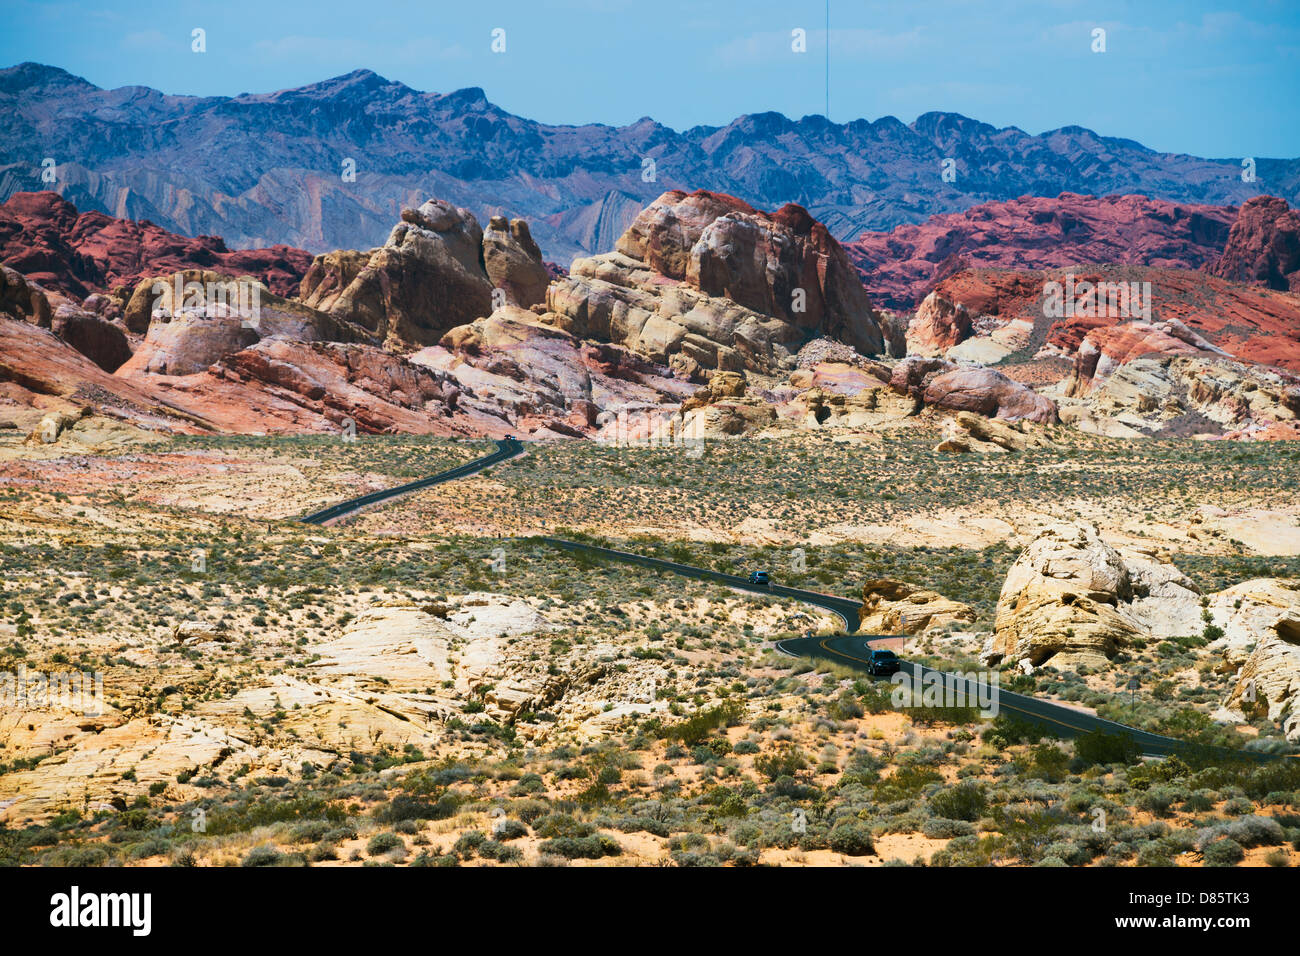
883 663
761 578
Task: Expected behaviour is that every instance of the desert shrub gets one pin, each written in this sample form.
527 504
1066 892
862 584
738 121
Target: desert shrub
966 801
469 842
698 726
1246 831
382 843
942 828
501 852
581 848
562 825
852 838
1224 852
262 856
509 830
1155 853
311 831
403 807
1007 731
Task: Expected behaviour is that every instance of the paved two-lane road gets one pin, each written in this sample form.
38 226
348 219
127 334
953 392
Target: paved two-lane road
848 649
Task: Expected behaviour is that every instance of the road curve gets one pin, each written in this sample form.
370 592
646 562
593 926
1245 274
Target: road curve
849 649
506 448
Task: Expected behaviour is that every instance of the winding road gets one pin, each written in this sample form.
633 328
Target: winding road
849 649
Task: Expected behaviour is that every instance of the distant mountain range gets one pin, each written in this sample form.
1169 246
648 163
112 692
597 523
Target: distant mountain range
261 169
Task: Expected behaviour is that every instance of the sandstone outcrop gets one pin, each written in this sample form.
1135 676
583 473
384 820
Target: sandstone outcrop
1071 599
22 299
1107 347
513 262
966 432
425 280
1187 395
1247 612
984 391
1263 246
99 340
704 281
896 607
518 367
1252 323
1268 684
937 326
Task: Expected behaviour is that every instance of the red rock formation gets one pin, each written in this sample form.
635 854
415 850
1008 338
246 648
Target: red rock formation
899 267
784 264
1252 323
45 238
1106 347
938 326
1263 246
984 391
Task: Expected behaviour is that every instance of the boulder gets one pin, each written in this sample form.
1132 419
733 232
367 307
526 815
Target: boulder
94 337
984 391
513 262
1061 602
22 299
896 607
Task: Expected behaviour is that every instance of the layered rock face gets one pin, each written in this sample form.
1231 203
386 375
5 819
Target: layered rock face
426 279
43 236
704 281
1187 395
1108 347
1071 599
514 365
901 266
1250 323
1268 684
1263 246
896 607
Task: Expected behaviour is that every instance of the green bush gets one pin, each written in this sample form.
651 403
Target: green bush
581 848
1224 852
966 801
852 838
383 842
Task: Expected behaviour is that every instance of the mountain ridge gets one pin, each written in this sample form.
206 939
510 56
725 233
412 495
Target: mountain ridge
266 168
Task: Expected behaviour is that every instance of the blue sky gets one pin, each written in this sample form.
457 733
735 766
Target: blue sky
1200 78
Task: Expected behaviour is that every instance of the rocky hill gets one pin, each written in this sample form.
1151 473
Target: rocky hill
204 165
900 266
44 237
